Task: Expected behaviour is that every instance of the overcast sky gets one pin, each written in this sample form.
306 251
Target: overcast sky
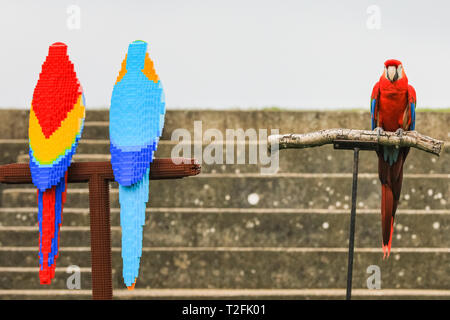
315 54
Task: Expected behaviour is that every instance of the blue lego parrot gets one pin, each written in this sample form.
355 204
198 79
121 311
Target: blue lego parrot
136 120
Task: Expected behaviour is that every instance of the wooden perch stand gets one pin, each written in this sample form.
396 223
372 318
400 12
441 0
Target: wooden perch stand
98 175
318 138
17 173
356 140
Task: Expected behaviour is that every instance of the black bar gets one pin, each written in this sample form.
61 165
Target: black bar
351 243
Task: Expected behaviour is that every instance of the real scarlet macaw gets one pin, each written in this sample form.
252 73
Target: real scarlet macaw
56 122
136 120
392 108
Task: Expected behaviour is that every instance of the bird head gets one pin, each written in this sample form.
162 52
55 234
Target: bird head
57 49
393 70
136 55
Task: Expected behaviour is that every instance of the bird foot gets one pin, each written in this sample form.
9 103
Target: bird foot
399 132
386 251
379 131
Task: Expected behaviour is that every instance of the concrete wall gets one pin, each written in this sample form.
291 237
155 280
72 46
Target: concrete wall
207 236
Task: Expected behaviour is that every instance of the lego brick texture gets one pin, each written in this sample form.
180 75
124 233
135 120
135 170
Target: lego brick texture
55 125
136 120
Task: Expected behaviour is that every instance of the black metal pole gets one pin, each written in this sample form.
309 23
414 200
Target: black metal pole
351 243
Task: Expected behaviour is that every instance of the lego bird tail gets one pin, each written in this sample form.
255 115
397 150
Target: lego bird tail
133 200
50 206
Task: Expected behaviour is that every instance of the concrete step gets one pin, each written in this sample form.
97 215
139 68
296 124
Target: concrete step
192 227
12 115
232 294
96 130
12 150
250 268
312 160
91 130
434 124
25 158
319 191
19 278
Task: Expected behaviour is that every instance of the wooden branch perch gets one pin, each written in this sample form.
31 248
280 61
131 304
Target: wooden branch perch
318 138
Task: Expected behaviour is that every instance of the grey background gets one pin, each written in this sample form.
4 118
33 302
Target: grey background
229 54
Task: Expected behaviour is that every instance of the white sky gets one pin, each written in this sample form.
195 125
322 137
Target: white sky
315 54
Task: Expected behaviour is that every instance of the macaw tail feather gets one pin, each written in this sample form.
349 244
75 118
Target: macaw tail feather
390 170
387 218
50 206
133 200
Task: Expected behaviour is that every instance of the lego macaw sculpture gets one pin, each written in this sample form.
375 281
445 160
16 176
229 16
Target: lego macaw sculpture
55 126
393 106
136 120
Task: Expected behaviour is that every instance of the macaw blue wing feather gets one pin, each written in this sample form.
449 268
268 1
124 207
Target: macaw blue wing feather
412 106
374 105
372 112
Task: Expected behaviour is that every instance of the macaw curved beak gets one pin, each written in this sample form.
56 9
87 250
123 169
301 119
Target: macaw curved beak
392 73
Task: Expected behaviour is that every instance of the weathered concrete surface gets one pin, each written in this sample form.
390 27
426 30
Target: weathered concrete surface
312 160
230 294
167 228
435 124
256 268
283 294
203 232
273 192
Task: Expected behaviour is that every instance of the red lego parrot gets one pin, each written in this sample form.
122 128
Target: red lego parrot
392 108
55 127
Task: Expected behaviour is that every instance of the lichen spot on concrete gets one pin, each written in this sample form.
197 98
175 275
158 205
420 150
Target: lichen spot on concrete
253 199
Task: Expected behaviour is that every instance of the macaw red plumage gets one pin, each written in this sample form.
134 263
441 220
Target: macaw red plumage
393 109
